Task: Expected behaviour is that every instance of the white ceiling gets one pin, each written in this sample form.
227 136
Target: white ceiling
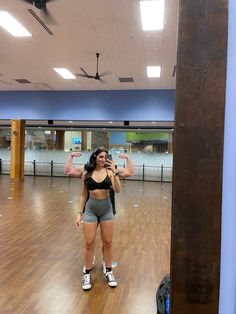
84 27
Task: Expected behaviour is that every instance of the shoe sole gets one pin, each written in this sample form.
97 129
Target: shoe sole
112 285
86 288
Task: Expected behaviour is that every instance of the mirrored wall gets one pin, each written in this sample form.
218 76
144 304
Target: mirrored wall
47 147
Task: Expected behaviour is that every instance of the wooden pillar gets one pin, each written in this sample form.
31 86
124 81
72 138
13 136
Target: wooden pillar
17 149
60 139
170 142
198 156
84 142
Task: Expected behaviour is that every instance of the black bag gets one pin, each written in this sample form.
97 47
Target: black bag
163 296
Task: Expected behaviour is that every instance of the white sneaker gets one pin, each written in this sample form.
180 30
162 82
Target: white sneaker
113 265
86 282
93 264
111 279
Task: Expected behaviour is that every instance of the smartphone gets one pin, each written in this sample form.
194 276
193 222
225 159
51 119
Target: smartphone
108 156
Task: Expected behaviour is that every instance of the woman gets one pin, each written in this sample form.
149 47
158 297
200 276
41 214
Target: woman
97 181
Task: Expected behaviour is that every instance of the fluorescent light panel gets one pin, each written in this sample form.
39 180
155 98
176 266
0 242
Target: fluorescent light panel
153 71
152 14
10 24
66 74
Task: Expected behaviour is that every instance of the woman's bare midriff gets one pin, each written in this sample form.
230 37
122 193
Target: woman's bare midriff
99 194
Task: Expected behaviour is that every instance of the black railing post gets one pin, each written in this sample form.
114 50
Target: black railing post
51 168
162 168
143 171
0 165
34 167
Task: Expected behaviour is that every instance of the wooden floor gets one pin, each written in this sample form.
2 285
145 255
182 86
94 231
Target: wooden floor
41 251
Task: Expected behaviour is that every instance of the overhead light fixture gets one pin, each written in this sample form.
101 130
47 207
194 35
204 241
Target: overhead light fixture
10 24
152 14
66 74
153 71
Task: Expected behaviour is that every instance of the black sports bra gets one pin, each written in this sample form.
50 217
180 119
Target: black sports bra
94 185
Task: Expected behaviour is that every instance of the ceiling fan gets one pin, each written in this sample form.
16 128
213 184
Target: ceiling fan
97 76
42 5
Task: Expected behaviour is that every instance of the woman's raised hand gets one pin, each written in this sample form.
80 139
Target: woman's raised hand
76 154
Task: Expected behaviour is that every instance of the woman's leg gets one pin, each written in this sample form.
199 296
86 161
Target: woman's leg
90 235
106 234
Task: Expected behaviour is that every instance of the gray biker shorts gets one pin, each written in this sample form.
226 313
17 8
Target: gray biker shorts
97 210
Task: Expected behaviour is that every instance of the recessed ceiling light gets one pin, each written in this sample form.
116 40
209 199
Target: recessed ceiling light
70 121
10 24
110 122
152 14
153 71
65 73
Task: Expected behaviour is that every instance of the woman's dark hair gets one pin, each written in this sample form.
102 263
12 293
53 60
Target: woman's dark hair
91 165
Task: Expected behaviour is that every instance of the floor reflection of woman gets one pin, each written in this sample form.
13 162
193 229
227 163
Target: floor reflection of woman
97 180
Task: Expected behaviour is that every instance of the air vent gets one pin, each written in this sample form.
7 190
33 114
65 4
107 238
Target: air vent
126 79
22 81
40 21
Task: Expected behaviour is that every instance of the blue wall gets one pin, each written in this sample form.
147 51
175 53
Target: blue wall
132 105
228 247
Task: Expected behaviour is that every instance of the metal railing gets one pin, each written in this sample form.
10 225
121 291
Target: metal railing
54 169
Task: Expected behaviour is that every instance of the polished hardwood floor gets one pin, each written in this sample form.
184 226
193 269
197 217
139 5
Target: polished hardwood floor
41 251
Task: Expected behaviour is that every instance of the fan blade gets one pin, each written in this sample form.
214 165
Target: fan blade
85 75
84 71
105 73
81 75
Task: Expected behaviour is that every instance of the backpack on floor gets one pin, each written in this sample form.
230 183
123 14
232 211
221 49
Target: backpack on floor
163 296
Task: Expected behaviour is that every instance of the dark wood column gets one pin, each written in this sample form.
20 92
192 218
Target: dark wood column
170 142
84 142
198 155
60 139
17 149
